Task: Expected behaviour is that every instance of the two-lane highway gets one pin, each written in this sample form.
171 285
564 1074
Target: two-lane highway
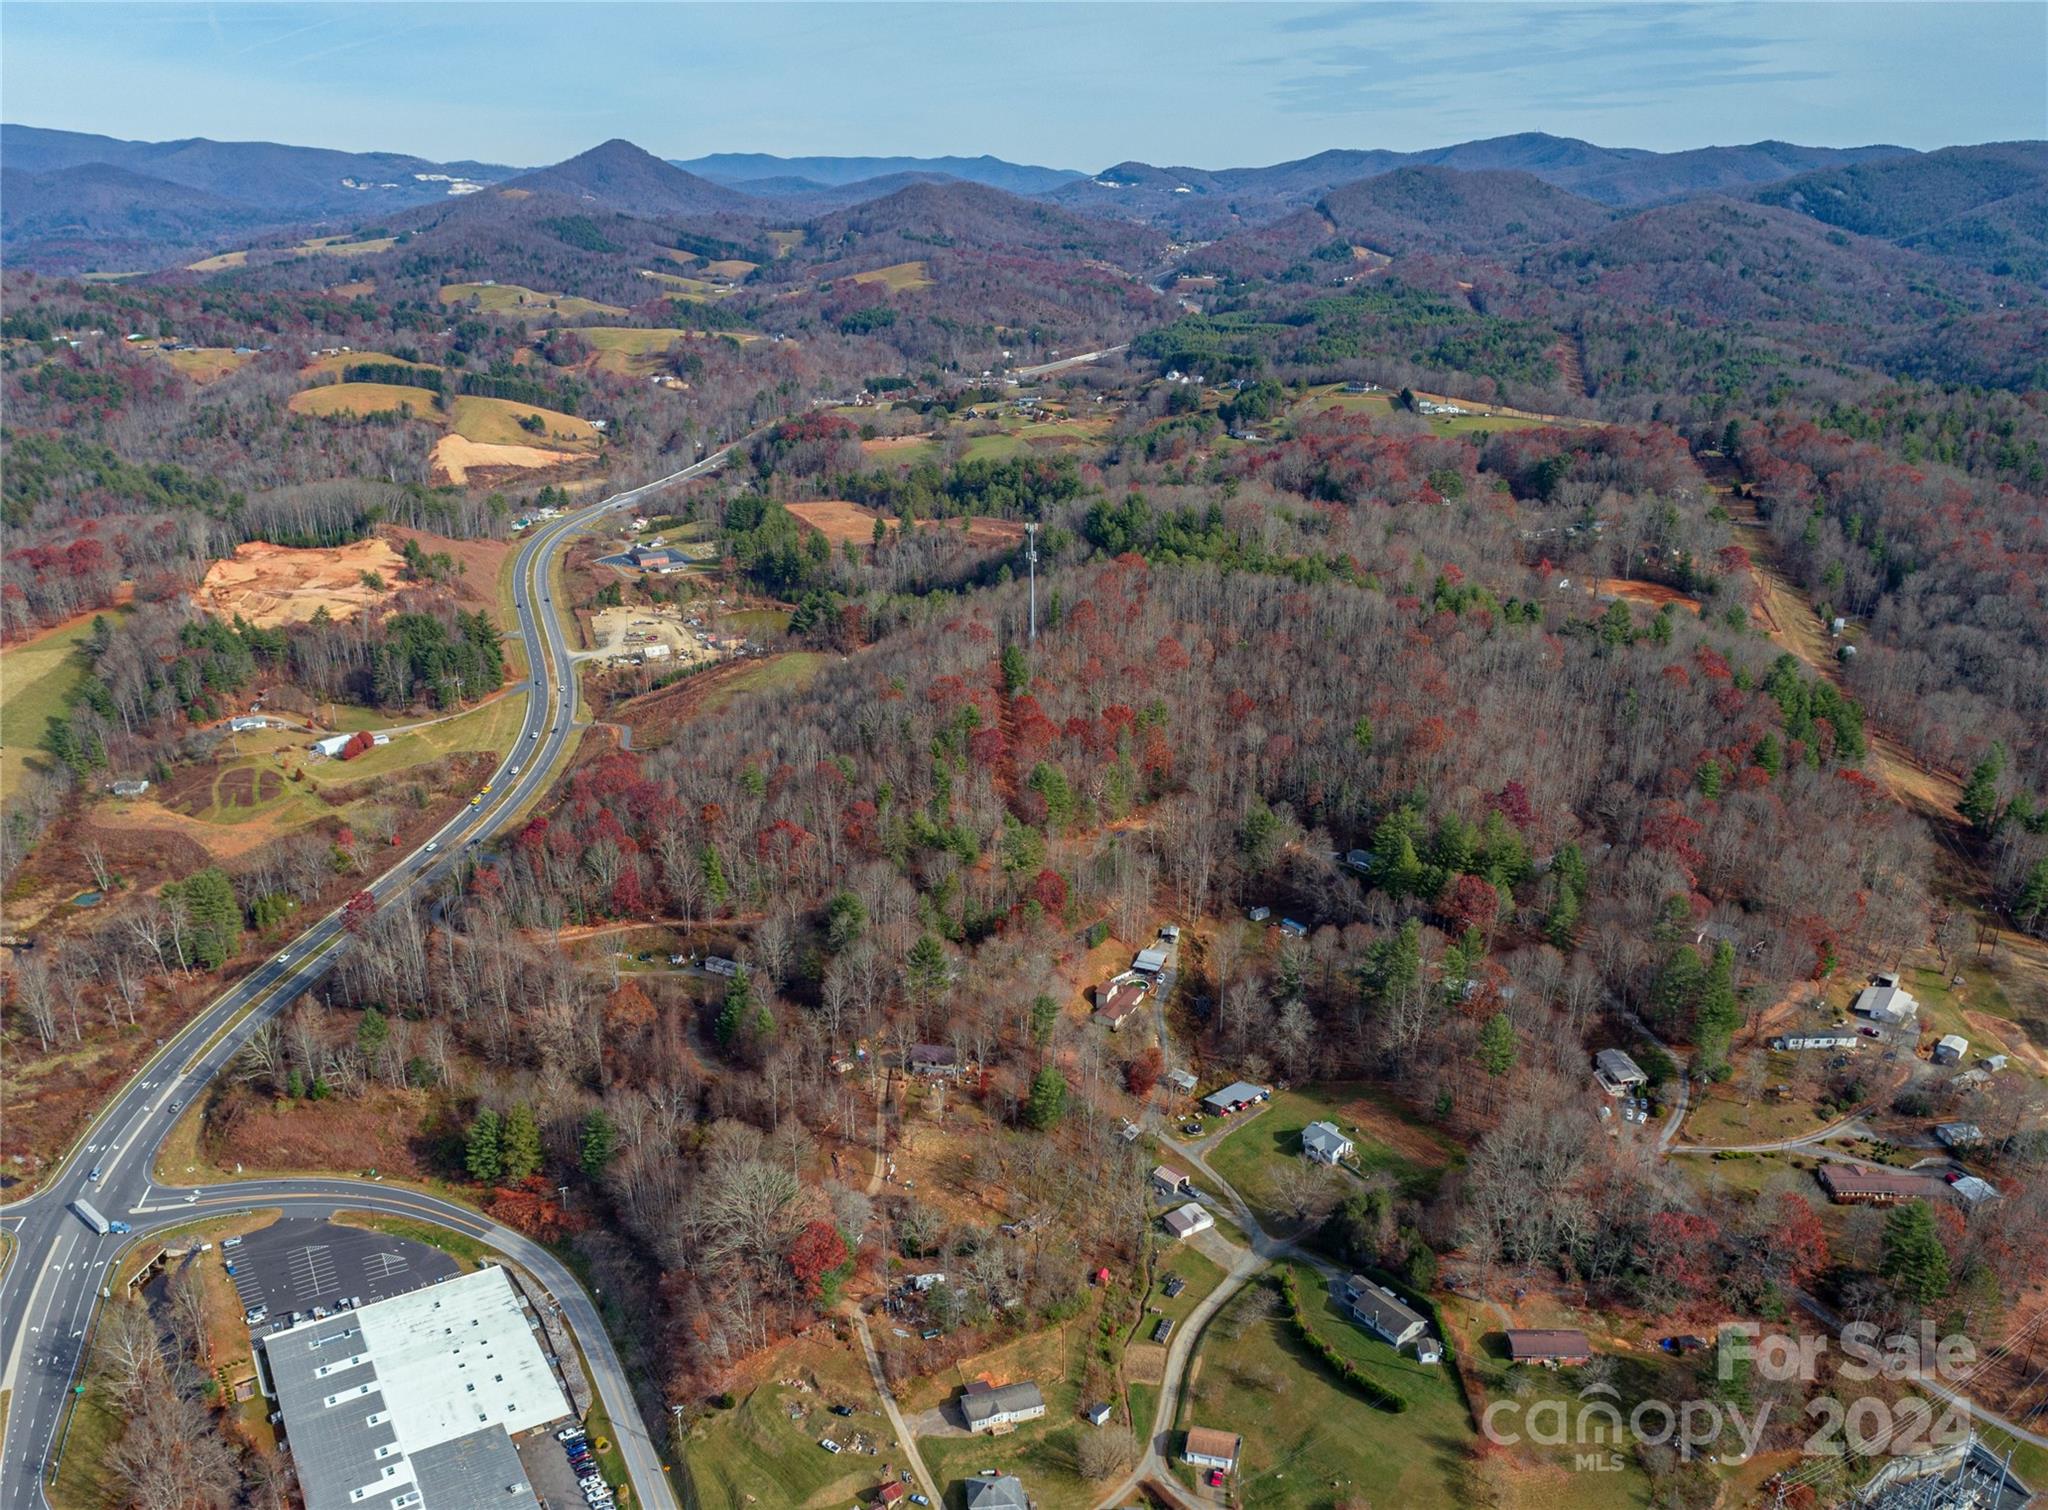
60 1266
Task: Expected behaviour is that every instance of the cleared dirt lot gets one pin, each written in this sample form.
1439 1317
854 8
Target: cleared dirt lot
459 460
626 631
272 584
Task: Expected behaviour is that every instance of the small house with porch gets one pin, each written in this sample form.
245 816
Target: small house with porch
1553 1347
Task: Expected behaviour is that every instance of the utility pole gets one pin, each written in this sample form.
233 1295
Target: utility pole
1031 560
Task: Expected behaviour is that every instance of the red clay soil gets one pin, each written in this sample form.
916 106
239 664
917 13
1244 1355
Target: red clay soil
478 563
1656 594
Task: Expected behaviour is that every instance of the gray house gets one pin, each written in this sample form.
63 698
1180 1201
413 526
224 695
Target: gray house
1322 1142
1005 1493
1377 1310
998 1410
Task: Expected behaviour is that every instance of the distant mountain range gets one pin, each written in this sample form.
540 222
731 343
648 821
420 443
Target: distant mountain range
761 173
75 201
1196 202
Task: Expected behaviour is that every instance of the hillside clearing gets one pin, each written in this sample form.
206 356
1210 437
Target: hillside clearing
898 277
39 676
204 364
510 298
274 584
459 460
354 400
495 422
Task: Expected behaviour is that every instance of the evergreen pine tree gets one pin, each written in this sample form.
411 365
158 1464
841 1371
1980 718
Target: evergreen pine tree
1979 801
1048 1099
599 1141
520 1143
1914 1258
1497 1045
484 1155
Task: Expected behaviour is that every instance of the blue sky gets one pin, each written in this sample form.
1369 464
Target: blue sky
1071 85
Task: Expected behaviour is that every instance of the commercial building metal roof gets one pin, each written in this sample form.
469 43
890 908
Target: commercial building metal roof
405 1404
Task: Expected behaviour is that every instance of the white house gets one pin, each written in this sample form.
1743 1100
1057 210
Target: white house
1885 1001
1322 1142
1206 1447
1380 1312
1951 1049
1185 1221
332 745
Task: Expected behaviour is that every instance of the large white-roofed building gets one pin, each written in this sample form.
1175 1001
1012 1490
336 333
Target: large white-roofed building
411 1403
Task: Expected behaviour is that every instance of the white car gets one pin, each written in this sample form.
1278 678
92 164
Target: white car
829 1445
432 845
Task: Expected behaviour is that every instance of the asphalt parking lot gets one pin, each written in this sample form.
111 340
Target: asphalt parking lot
301 1262
547 1465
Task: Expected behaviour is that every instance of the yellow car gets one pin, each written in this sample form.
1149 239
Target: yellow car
476 802
487 789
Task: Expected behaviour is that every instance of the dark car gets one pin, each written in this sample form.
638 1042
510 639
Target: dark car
842 1410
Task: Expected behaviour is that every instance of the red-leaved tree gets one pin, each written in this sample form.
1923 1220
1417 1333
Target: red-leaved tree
817 1251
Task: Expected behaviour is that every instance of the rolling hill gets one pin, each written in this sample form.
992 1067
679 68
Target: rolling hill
764 173
1987 206
291 183
1200 201
911 222
616 175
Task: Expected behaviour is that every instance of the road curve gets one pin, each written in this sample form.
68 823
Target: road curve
48 1292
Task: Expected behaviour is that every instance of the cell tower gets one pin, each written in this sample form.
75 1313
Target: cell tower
1031 560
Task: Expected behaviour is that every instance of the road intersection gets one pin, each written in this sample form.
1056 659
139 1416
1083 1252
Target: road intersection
60 1267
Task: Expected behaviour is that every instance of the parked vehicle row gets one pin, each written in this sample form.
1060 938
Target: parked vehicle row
583 1462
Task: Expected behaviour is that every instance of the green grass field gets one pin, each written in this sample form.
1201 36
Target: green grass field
780 673
1040 1452
1253 1156
760 623
510 298
677 286
764 1451
1309 1441
37 678
1202 1276
495 422
491 727
356 399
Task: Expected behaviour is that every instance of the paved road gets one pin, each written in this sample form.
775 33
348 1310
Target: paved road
49 1289
1044 369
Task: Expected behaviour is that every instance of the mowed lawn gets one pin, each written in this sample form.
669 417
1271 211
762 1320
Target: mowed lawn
510 298
37 678
764 1451
354 400
492 727
495 422
1043 1452
1253 1155
1309 1441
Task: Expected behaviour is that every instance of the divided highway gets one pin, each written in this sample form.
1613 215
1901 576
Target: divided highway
59 1265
